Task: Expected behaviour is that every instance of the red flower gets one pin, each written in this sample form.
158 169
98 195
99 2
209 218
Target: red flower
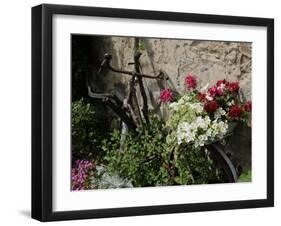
191 81
220 90
166 95
248 106
213 91
234 87
224 82
201 96
211 106
235 111
221 86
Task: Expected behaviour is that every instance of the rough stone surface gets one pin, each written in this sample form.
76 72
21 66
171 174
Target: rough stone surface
209 60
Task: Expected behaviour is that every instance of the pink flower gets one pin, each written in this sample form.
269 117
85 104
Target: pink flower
213 91
208 97
166 95
220 90
235 111
191 81
79 174
221 86
211 106
248 106
234 87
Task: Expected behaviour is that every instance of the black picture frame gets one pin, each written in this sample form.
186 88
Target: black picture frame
42 111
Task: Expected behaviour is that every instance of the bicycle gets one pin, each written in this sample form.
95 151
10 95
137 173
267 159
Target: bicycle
134 116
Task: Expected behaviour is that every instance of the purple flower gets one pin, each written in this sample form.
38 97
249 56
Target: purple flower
79 174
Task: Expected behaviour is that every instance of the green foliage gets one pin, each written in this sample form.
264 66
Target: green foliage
150 156
141 158
245 177
86 131
147 159
195 166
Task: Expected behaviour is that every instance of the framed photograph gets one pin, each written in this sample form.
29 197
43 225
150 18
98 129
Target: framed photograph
146 112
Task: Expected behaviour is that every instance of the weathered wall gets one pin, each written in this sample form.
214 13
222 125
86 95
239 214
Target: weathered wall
209 60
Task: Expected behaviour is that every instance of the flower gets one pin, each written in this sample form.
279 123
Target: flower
234 87
191 81
211 106
208 97
213 91
186 132
166 95
248 106
235 111
222 82
201 117
221 86
79 174
201 96
219 113
196 107
202 122
200 131
230 103
219 128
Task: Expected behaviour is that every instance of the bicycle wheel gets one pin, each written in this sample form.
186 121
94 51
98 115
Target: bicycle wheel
223 161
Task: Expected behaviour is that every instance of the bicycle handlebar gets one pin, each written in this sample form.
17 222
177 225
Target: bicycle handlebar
106 62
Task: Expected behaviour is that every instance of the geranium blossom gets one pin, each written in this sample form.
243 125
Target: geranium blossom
166 95
211 106
221 88
222 82
191 81
202 96
213 91
235 111
234 87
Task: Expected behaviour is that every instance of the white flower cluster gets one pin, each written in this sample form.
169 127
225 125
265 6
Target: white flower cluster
192 125
175 106
197 107
184 102
219 113
200 131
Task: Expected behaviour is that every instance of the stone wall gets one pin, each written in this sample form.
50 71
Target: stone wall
209 60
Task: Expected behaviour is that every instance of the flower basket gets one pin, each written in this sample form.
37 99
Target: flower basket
231 127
